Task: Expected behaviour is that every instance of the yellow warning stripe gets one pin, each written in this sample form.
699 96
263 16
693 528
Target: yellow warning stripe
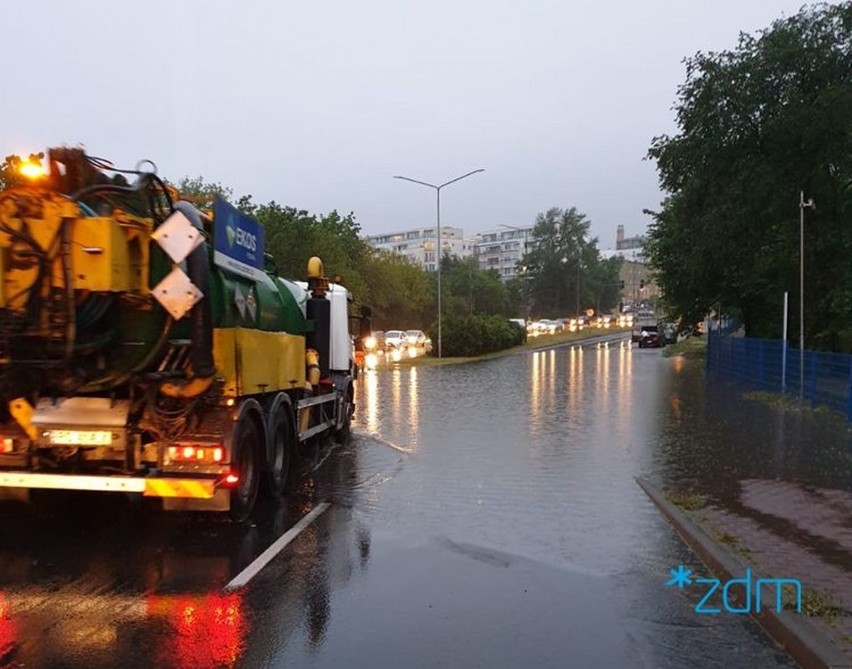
179 488
160 487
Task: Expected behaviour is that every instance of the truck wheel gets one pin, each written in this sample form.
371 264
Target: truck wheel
348 408
246 461
283 445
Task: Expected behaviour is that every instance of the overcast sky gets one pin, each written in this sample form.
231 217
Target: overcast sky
318 104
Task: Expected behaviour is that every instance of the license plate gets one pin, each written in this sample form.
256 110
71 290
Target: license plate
81 437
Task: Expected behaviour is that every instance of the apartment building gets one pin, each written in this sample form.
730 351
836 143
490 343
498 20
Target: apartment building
420 245
502 249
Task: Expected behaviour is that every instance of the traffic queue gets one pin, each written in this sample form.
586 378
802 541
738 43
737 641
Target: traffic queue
394 345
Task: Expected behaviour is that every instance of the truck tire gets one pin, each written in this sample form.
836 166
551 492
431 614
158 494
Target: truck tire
246 461
283 438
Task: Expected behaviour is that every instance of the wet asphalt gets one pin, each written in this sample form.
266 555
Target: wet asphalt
481 515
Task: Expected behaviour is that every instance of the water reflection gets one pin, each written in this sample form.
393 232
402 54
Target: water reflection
413 406
370 397
127 588
393 411
549 444
206 630
8 629
602 356
102 626
711 437
551 377
535 389
544 434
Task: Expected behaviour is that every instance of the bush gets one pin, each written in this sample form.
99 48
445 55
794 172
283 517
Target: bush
466 336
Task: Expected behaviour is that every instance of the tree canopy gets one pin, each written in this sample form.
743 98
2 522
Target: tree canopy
563 273
469 290
759 124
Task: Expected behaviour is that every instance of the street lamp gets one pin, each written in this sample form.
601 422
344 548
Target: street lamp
438 257
579 264
802 206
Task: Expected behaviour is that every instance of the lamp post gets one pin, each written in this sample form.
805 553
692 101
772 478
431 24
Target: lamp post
578 266
802 206
438 257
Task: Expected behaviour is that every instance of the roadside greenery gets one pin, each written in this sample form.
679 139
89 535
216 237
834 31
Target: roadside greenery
476 303
756 125
563 270
465 336
691 347
399 293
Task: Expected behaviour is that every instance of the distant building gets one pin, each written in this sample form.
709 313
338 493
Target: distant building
623 243
503 249
635 272
420 245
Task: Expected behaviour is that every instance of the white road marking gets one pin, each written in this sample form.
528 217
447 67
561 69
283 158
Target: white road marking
266 557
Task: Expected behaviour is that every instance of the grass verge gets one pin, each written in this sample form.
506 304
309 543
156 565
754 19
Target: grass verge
691 347
532 344
686 500
791 404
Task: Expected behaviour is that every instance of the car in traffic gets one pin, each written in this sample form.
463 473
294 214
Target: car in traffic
415 338
642 325
548 326
375 343
650 337
395 339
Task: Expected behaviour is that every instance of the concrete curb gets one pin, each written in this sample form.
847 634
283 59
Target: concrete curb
585 341
515 350
795 635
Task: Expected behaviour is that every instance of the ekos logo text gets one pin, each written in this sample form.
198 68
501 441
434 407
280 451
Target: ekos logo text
681 578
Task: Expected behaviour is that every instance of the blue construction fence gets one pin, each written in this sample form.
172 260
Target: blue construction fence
823 379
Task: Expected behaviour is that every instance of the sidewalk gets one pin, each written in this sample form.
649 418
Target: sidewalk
787 530
784 530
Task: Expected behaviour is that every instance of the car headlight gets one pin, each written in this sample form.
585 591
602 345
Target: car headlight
370 342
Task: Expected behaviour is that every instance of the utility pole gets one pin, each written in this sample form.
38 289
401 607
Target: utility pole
802 206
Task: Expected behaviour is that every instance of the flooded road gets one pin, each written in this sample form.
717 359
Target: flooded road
483 514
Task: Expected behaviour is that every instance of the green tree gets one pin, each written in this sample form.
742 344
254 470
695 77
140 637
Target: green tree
400 293
469 290
564 270
202 193
293 236
757 125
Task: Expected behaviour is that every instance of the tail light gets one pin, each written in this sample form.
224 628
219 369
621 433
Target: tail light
197 453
